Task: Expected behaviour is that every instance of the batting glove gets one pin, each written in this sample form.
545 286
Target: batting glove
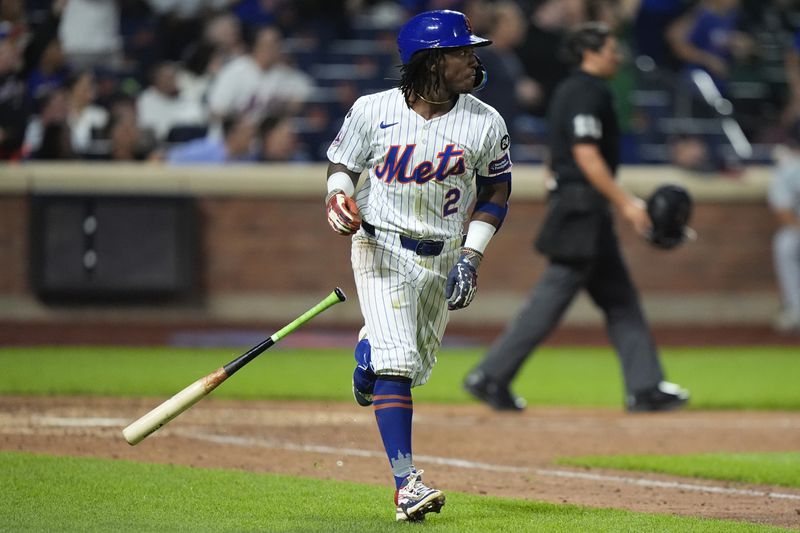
462 282
343 215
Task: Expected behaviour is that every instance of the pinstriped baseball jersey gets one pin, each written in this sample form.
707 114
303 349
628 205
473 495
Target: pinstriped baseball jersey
421 172
421 184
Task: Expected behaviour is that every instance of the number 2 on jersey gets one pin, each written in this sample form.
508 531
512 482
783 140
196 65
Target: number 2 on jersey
451 198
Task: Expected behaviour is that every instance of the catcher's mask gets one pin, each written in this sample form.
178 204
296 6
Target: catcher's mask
440 29
670 207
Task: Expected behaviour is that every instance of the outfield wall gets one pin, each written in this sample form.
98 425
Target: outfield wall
267 252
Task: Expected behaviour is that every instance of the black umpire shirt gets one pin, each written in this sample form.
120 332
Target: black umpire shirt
582 110
578 217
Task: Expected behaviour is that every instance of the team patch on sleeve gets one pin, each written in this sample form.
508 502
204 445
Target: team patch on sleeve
338 140
587 126
500 165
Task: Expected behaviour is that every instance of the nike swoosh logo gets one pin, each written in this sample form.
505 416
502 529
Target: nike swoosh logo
384 126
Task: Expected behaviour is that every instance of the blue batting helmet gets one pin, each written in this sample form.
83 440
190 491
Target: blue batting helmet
436 29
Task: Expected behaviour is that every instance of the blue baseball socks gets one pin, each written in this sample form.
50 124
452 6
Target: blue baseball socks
393 412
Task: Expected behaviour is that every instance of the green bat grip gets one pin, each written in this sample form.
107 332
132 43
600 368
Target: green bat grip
333 298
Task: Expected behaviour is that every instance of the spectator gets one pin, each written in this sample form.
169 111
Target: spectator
207 35
650 27
616 14
708 38
85 119
90 33
710 43
509 90
540 52
784 199
234 146
257 13
180 23
279 142
224 33
126 140
791 111
45 66
161 106
54 110
14 109
13 21
188 8
50 72
56 143
202 63
122 108
259 83
480 13
691 153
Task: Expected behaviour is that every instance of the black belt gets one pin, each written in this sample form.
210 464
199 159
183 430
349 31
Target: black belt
423 247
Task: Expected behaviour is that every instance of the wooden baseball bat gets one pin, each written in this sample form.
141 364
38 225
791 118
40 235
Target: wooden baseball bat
189 396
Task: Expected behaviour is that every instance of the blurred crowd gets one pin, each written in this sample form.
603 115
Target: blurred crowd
708 85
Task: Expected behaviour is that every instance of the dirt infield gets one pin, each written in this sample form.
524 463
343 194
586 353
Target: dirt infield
462 448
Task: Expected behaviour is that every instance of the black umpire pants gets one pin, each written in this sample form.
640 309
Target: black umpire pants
608 282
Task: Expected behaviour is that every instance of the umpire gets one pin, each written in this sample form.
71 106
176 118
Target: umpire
579 239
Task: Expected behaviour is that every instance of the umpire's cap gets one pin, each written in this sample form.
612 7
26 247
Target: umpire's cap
669 207
436 29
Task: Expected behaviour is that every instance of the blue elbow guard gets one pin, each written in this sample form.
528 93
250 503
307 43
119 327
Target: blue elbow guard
498 211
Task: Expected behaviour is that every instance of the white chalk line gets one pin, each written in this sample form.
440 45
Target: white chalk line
432 459
476 465
92 422
575 424
669 484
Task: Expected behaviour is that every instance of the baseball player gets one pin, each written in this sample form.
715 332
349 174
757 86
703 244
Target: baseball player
579 239
436 157
784 201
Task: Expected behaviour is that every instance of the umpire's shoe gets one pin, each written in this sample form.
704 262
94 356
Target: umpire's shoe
492 392
665 396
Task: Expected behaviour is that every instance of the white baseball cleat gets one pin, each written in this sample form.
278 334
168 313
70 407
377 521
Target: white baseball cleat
414 500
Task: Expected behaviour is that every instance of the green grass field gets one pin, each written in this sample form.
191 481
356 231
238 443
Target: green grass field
767 468
94 495
42 493
719 378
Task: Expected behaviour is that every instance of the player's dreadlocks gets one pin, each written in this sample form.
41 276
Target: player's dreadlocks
416 76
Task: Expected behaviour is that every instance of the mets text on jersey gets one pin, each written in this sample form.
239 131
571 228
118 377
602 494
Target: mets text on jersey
396 168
